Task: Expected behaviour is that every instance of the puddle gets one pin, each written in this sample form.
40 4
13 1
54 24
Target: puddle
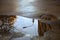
26 22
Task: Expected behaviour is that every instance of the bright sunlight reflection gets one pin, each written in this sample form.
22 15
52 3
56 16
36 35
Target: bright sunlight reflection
25 6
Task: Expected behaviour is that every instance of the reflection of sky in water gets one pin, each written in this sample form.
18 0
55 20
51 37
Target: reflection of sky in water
25 6
28 9
22 22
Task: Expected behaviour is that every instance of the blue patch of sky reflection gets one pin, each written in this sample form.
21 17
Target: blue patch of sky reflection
22 22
